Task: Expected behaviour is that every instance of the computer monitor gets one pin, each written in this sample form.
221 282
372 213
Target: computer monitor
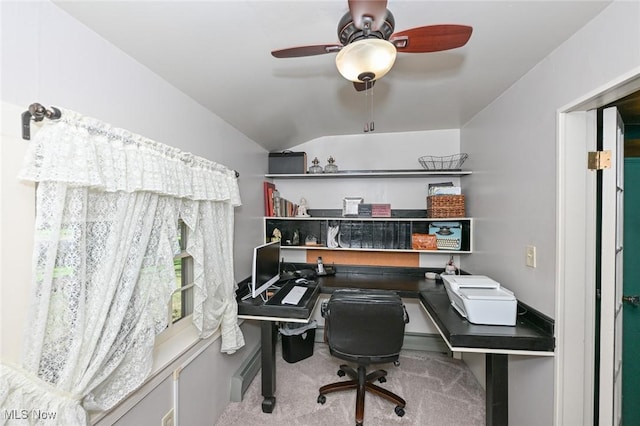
266 267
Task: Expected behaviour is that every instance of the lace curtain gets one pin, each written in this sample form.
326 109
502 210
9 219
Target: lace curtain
108 204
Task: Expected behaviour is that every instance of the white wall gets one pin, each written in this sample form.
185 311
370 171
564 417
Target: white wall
17 219
50 58
375 151
372 151
512 193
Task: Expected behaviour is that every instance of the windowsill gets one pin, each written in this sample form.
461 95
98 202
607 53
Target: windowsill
172 343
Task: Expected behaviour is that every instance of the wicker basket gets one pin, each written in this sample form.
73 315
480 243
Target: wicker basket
445 206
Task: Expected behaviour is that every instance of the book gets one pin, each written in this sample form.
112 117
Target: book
344 237
356 234
268 188
381 210
367 234
378 235
390 231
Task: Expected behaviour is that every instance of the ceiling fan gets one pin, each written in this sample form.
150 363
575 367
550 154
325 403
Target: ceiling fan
368 44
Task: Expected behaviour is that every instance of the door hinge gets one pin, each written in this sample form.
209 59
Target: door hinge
599 160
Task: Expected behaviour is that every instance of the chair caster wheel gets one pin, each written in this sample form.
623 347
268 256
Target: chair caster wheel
399 411
382 379
322 399
341 373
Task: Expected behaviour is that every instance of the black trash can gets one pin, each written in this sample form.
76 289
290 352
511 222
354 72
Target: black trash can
297 340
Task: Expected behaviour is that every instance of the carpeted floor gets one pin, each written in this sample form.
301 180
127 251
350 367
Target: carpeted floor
439 391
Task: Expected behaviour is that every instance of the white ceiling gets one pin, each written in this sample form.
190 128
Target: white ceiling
218 53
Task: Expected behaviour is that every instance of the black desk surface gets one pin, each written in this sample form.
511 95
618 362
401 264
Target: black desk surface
527 335
274 307
533 331
407 285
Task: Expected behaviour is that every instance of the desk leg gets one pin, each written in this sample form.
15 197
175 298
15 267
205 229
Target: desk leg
497 377
268 340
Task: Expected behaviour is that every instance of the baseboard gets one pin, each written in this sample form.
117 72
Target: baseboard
243 377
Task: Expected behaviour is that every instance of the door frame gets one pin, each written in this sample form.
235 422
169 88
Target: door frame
575 250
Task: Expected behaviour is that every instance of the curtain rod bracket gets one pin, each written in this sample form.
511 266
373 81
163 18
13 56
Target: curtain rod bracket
38 113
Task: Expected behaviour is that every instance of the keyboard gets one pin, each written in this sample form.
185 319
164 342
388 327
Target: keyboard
294 295
448 243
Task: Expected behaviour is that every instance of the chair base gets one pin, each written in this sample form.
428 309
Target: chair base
362 382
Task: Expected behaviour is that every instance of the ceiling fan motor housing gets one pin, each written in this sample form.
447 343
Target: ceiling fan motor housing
348 32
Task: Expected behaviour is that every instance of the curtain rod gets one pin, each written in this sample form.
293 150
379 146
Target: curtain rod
38 112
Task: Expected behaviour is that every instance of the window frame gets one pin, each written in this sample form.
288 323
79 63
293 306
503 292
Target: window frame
185 290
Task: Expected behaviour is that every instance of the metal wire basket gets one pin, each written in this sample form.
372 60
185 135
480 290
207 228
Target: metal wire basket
447 162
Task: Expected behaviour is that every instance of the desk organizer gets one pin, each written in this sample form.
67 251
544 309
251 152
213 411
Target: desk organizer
445 206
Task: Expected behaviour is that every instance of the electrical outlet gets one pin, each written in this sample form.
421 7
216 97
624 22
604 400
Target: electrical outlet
168 419
530 256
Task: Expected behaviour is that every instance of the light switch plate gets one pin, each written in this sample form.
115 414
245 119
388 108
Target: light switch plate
530 256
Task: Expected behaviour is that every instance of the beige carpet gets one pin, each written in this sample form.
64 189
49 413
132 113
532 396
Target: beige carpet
439 391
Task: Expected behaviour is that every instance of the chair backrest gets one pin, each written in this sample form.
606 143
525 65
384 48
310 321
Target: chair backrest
365 326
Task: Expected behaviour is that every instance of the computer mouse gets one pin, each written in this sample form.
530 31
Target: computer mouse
301 281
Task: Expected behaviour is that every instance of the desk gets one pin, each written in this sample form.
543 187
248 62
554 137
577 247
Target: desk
269 314
532 334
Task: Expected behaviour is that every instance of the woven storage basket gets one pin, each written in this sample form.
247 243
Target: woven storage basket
445 206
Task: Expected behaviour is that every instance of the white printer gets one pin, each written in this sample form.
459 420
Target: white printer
480 299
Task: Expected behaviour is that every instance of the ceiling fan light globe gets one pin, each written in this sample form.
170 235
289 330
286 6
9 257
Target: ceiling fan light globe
364 57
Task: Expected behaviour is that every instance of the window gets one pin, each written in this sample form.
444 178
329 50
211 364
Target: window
181 304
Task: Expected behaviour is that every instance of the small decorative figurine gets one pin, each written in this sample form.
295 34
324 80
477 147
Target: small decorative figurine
302 208
277 235
316 168
331 167
450 268
332 236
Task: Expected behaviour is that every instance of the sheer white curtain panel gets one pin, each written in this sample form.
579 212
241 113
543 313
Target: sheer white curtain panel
108 204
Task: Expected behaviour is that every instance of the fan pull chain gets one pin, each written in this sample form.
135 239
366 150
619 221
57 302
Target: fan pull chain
368 126
366 95
371 126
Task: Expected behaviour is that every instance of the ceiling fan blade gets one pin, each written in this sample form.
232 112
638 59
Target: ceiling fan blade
296 52
374 9
432 38
362 86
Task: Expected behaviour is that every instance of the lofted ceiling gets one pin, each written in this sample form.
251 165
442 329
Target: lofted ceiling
218 53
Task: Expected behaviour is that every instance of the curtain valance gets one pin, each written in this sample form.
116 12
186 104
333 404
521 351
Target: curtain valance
82 151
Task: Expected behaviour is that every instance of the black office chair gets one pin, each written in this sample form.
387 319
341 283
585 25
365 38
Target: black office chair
365 327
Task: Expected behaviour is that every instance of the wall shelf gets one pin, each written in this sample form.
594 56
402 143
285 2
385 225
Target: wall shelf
374 249
366 234
389 234
371 174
